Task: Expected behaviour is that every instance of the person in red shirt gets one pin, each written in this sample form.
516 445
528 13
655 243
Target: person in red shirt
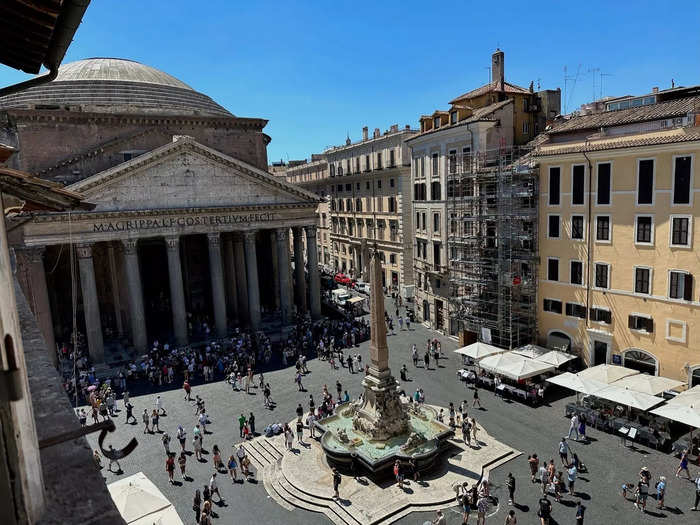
170 466
188 390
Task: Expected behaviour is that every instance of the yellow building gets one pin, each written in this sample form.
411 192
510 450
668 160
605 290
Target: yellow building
618 235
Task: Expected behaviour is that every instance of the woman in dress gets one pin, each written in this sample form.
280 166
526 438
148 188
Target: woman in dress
232 468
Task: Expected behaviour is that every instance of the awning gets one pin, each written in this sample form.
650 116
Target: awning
690 397
576 383
606 373
647 384
140 502
556 358
688 415
479 350
514 366
629 397
531 351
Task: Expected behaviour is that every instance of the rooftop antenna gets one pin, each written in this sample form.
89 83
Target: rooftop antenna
566 80
489 68
595 71
601 82
538 84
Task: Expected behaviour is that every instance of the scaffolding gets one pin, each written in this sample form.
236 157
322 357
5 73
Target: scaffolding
492 245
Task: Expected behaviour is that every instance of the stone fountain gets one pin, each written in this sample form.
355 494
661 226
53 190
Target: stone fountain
372 433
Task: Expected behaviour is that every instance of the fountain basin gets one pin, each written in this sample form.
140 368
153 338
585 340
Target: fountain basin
357 451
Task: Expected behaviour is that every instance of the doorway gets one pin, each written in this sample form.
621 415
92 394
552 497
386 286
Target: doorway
156 289
600 352
640 360
426 311
438 315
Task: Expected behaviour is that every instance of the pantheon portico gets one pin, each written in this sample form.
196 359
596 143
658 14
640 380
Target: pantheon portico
167 213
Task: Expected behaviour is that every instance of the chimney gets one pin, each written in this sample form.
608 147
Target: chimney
408 126
498 68
394 128
365 132
655 89
377 133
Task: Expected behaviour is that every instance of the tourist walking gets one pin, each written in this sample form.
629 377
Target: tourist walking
170 467
660 492
251 424
300 411
564 451
154 421
144 418
336 483
697 493
232 468
571 478
241 424
188 390
129 413
580 511
181 436
683 465
214 488
476 398
426 360
533 462
197 445
159 406
300 432
510 483
573 426
545 510
545 479
197 505
398 474
182 461
166 442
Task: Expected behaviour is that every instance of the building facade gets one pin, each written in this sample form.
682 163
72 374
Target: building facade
466 214
618 222
370 204
187 225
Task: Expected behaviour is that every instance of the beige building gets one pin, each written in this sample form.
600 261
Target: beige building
618 223
370 203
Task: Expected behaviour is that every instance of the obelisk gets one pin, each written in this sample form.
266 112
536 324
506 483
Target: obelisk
381 414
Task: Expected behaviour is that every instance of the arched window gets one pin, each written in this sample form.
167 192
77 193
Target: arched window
559 341
694 377
640 360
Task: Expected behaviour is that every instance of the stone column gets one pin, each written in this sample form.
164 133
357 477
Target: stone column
39 300
275 270
218 293
230 269
251 263
133 283
241 279
282 235
300 289
116 300
91 306
177 290
314 277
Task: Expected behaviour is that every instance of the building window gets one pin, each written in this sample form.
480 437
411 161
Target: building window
379 160
642 280
436 223
392 158
680 231
417 221
357 165
602 275
423 215
578 184
576 310
641 322
421 165
680 285
645 227
452 161
453 117
358 204
601 315
391 183
553 226
392 258
466 155
379 184
577 227
552 269
554 186
435 191
552 305
436 122
576 272
645 182
526 127
602 228
348 187
367 165
435 165
682 180
436 253
392 204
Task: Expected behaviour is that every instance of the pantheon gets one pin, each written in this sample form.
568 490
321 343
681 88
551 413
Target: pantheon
185 221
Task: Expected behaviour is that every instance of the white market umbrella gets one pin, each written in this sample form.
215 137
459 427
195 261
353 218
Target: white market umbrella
167 516
576 383
629 397
531 351
690 397
136 497
606 373
647 384
688 415
556 358
514 366
479 350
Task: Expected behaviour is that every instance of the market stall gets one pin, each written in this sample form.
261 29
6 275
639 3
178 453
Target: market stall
556 358
140 502
531 351
652 385
607 373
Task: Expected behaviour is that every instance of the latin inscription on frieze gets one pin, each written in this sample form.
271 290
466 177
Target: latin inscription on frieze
173 222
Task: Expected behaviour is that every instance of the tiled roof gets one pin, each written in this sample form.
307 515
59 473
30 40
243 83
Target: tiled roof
481 114
653 138
673 108
487 88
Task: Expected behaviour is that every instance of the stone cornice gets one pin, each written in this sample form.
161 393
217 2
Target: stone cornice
125 118
65 217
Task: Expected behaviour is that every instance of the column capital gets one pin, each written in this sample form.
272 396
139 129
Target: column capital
282 234
172 242
214 238
84 250
297 230
311 231
250 236
130 246
33 254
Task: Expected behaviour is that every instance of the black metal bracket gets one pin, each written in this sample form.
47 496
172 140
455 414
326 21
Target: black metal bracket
104 428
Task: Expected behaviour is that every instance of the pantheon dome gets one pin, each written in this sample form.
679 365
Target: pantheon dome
116 86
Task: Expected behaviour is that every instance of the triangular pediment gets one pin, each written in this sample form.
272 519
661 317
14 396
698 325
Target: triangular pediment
186 174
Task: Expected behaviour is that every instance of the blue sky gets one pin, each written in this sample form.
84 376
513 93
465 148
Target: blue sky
320 70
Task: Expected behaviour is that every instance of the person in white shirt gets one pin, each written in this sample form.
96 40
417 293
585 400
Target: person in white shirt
159 406
213 487
574 427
